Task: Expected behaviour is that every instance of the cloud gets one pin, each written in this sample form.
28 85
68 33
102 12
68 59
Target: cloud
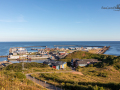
20 18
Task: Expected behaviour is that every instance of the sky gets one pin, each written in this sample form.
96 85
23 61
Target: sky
59 20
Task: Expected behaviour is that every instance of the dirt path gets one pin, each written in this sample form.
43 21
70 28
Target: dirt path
47 85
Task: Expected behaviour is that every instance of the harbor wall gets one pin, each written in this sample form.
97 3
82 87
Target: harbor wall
3 56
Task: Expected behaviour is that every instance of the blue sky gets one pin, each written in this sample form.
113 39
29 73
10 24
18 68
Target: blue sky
59 20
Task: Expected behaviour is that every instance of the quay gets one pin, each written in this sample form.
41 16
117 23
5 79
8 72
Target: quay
4 63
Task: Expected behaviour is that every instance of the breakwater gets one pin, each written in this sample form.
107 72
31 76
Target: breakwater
76 46
3 56
104 49
30 46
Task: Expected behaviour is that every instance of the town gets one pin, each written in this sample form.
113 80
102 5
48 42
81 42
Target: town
21 53
53 55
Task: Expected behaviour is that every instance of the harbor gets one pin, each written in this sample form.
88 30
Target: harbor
21 53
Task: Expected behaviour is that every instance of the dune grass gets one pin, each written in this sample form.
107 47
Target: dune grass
17 81
89 81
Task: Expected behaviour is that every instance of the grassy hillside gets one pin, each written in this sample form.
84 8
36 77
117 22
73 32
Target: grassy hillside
13 77
72 81
106 59
86 55
17 67
101 76
16 81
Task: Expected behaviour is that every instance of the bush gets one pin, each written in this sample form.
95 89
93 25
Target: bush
90 65
117 66
102 74
17 67
77 69
20 75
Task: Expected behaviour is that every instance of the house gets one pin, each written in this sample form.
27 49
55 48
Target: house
73 61
54 52
83 62
61 53
42 52
56 64
47 49
21 51
70 48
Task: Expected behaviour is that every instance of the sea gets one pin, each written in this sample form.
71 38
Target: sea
5 46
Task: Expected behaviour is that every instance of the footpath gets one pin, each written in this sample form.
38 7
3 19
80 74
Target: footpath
45 84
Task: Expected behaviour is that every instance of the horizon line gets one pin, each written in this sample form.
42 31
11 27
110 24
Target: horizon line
57 41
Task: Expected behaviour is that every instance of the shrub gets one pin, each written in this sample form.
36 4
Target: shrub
20 75
17 67
90 65
117 66
102 74
77 69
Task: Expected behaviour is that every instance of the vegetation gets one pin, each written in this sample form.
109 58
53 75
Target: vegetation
14 78
106 59
16 81
100 76
71 81
17 67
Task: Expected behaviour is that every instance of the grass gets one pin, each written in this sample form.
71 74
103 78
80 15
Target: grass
15 78
104 75
93 51
87 55
101 76
9 82
93 78
89 81
69 81
17 67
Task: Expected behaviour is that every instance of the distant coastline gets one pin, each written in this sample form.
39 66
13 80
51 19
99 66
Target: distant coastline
113 50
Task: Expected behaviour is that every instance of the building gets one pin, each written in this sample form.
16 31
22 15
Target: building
61 53
17 51
83 62
70 48
42 52
56 64
73 61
